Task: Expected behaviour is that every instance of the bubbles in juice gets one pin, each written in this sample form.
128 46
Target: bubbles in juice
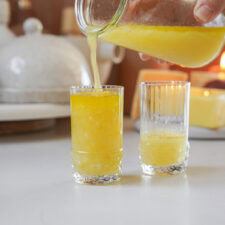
97 133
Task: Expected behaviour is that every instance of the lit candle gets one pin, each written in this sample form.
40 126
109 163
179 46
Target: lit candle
207 108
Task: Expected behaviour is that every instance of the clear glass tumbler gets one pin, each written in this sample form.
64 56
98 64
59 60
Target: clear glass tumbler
164 146
97 132
165 29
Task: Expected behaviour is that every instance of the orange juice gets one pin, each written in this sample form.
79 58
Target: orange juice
160 149
96 119
185 46
92 42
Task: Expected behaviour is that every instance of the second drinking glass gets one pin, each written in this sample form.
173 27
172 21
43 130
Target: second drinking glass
164 146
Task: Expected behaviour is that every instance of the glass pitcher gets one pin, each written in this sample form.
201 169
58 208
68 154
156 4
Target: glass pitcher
165 29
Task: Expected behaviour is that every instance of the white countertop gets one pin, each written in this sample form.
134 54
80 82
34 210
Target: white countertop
36 186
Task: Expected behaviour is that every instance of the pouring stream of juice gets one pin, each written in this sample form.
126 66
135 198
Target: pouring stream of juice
92 42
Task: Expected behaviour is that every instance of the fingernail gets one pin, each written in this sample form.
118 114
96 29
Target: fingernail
204 13
143 57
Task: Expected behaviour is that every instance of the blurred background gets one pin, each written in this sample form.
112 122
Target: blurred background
41 59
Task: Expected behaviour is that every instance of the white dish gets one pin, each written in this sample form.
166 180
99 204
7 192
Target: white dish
21 112
203 133
198 133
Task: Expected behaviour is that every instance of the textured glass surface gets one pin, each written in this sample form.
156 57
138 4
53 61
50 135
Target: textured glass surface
97 129
164 126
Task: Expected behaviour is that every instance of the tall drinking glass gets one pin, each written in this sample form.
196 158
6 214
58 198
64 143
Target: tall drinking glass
97 129
164 146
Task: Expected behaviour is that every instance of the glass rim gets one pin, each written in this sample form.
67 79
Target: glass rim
83 24
92 88
165 83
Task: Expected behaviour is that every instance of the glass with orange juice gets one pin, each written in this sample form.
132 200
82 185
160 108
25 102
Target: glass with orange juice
164 146
97 132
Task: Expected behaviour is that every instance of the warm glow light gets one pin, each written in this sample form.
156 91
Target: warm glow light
206 93
221 76
222 62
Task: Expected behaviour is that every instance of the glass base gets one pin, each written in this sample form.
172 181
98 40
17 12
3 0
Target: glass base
105 179
172 169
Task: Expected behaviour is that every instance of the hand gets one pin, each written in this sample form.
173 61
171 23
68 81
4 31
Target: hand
204 12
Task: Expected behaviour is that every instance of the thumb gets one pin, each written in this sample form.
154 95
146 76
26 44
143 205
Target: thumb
207 10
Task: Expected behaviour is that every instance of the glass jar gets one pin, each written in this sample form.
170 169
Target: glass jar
165 29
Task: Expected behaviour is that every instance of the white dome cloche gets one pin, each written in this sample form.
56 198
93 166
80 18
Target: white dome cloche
38 68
